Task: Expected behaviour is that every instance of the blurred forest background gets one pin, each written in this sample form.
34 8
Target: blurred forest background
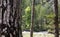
43 16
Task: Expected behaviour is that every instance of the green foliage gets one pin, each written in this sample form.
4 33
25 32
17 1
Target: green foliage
27 18
50 16
43 18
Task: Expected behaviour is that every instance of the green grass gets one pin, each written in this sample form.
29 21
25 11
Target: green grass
38 35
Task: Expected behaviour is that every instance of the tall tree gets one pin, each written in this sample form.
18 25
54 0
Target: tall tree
10 18
32 17
56 18
0 15
19 11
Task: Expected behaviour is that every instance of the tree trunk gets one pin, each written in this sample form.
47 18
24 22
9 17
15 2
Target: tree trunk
19 11
32 17
56 18
10 18
0 15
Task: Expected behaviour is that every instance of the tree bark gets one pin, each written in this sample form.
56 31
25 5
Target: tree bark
0 15
32 17
56 18
19 11
9 18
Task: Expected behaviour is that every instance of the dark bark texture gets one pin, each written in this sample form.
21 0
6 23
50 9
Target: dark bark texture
9 18
56 18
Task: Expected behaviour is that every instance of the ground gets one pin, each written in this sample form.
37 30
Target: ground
38 34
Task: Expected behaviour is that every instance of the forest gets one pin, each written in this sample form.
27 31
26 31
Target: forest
43 15
29 18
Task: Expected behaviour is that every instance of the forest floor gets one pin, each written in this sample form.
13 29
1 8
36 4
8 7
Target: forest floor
37 34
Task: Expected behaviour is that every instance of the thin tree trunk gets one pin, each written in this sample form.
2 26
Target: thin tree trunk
56 18
32 17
